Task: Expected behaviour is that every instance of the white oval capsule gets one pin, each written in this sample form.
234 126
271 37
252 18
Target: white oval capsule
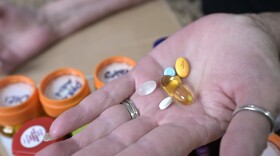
165 103
147 88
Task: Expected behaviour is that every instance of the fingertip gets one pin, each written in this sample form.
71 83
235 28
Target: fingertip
67 122
57 130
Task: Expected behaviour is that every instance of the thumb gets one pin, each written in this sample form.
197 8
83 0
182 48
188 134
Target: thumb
246 135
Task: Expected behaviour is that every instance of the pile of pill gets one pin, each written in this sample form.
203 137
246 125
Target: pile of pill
172 84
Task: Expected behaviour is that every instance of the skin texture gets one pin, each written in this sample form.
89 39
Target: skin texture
234 61
18 29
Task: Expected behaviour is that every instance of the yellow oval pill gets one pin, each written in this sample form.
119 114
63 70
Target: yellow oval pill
182 67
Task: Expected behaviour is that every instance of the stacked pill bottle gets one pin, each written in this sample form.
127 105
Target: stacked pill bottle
112 68
62 90
22 103
19 103
273 146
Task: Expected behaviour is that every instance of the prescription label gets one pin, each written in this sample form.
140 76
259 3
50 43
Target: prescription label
33 136
64 87
113 71
15 94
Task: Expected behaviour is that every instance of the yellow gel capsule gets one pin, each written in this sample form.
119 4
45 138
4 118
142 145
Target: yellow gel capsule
174 88
183 95
170 83
182 67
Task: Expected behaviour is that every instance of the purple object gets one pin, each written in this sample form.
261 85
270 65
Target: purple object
158 41
202 151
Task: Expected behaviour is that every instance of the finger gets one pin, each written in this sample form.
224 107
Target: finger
120 138
246 135
165 140
110 119
111 94
9 60
1 10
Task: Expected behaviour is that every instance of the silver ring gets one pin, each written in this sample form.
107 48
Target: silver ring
262 111
131 108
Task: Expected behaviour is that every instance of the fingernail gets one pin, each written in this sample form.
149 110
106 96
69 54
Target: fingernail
48 137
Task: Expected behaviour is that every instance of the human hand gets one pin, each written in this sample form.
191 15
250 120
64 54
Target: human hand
233 63
23 33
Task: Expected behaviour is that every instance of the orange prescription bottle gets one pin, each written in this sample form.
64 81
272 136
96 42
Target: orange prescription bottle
273 146
61 90
112 68
19 102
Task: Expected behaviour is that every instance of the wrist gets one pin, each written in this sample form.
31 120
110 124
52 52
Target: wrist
66 17
48 16
270 24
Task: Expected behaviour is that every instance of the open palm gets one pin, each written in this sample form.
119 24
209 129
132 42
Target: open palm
233 63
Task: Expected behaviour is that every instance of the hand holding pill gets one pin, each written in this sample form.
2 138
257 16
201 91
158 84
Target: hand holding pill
232 65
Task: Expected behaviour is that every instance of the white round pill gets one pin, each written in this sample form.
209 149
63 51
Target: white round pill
165 103
147 88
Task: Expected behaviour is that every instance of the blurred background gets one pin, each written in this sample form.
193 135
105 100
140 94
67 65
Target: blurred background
185 10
